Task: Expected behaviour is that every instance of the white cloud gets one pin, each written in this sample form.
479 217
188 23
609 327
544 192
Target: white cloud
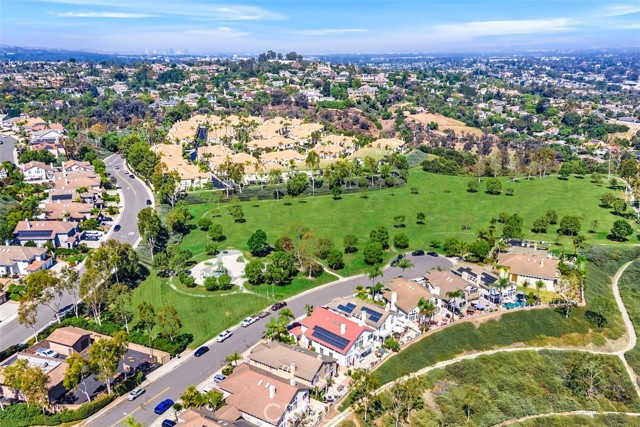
109 15
330 31
245 13
501 28
620 10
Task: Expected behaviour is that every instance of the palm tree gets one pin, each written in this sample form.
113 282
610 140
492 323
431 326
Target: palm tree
131 422
234 358
374 272
286 314
539 286
404 263
360 291
452 297
503 283
427 308
376 289
309 309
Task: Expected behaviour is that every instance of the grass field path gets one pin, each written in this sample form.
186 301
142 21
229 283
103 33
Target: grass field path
631 343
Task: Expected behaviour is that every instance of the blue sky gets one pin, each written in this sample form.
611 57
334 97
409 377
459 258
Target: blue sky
319 26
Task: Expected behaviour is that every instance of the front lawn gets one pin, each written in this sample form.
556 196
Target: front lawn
450 211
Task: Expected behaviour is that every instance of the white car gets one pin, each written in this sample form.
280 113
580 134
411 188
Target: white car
249 321
47 352
223 336
133 394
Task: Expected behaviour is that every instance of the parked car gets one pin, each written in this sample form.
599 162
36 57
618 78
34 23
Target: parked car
163 406
293 325
417 252
277 306
433 254
47 352
396 260
117 227
149 202
65 311
133 394
249 321
219 378
223 336
200 351
263 314
168 423
131 176
116 167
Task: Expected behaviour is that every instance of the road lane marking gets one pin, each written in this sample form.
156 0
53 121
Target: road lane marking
119 422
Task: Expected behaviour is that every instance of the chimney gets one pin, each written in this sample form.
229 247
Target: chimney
363 318
343 329
272 391
28 223
292 380
394 299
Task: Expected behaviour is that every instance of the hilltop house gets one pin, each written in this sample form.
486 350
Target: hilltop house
37 171
365 313
527 269
403 296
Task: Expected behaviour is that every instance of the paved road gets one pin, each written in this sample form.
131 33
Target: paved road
194 370
6 148
135 196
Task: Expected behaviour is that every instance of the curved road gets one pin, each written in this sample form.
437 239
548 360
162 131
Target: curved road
135 195
7 143
171 380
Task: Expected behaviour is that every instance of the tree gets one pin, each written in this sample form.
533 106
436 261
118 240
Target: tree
401 241
540 225
402 398
237 213
364 384
454 247
254 272
308 309
336 191
281 269
350 242
539 286
234 358
297 184
420 218
94 291
608 199
191 398
204 224
373 253
335 260
552 216
427 308
479 250
224 282
404 263
30 380
322 247
257 243
621 230
569 225
131 422
120 302
599 309
216 232
168 321
380 235
594 226
105 355
148 318
28 316
628 169
45 287
494 186
399 221
78 371
619 206
513 227
473 186
70 277
176 220
150 227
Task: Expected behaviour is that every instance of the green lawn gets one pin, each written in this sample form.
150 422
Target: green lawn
297 285
444 200
506 386
202 317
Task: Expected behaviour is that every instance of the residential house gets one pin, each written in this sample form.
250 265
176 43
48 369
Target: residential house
486 283
68 340
37 171
50 136
444 284
527 269
66 210
403 296
60 233
305 366
54 370
335 336
76 165
190 174
261 398
23 260
56 149
366 313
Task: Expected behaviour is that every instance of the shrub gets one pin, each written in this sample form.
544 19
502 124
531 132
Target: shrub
204 224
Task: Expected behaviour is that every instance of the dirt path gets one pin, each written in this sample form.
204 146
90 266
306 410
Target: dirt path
631 343
564 414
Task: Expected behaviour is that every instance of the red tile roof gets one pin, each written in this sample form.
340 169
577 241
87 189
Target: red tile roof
332 322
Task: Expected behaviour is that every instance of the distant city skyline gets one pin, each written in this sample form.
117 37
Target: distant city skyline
315 26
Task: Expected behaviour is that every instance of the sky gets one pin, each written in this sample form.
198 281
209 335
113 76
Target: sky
319 26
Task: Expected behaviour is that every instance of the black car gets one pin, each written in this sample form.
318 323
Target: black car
277 306
117 227
148 202
417 252
396 260
132 176
433 254
168 423
200 351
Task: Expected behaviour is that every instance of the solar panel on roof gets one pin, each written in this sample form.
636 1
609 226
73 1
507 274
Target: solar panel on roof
374 316
351 306
329 337
346 308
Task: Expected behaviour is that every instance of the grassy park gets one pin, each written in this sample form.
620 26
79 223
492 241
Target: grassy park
450 211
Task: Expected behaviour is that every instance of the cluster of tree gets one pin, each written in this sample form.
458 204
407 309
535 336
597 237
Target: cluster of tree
193 398
277 329
220 283
271 55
